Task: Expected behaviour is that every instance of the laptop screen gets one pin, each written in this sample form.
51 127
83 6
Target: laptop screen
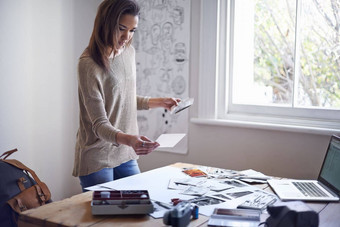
330 171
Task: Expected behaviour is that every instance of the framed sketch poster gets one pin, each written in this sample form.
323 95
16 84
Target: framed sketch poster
162 58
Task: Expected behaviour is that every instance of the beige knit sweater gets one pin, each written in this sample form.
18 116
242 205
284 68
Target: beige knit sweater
108 104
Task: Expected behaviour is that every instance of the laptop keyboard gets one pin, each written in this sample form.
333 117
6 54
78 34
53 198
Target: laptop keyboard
309 189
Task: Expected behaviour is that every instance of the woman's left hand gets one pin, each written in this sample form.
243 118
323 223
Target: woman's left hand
166 103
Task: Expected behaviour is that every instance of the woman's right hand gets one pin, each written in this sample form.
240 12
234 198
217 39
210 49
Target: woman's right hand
141 144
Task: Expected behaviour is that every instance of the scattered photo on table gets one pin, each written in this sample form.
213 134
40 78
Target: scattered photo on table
217 186
259 200
176 186
195 172
220 173
192 190
189 181
234 183
205 201
239 194
220 196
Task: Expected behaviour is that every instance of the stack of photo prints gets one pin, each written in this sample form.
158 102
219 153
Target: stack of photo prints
214 188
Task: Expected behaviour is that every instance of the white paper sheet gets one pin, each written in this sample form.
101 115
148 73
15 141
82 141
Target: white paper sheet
169 141
155 181
160 209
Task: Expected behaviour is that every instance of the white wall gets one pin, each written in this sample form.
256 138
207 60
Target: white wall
40 42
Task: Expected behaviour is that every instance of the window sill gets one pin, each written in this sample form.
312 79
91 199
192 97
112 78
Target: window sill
290 125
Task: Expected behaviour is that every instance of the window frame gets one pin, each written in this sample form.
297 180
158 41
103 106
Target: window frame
215 80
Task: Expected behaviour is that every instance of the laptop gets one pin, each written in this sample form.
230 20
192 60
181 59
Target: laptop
325 188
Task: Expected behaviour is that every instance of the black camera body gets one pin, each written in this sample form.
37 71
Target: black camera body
180 215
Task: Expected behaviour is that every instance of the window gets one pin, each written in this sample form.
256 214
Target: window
277 61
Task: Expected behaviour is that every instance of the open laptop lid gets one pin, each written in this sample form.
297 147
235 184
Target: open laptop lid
330 170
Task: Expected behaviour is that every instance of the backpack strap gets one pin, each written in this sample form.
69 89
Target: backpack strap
8 153
42 197
21 182
19 165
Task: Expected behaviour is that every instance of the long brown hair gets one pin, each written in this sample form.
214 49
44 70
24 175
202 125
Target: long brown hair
106 28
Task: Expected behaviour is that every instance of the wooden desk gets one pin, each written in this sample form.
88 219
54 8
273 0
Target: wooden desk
76 211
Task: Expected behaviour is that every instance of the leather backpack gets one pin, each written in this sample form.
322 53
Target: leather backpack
20 190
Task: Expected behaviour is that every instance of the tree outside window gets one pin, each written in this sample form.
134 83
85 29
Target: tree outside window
286 53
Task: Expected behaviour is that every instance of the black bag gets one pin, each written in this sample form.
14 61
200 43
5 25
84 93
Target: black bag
294 213
18 190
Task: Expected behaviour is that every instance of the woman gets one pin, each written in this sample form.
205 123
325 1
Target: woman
108 143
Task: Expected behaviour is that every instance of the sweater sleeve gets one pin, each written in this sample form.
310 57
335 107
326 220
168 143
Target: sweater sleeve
91 95
142 102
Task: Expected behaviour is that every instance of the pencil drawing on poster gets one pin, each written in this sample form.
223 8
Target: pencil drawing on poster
162 58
